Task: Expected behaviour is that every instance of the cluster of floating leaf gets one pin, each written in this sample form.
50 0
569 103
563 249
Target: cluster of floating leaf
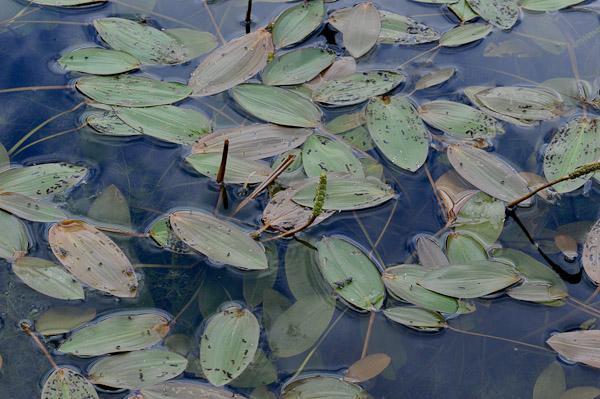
293 87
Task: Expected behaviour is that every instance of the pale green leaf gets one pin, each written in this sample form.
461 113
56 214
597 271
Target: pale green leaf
398 29
14 242
464 34
357 88
187 389
416 318
297 66
500 13
238 170
48 278
98 61
319 387
30 209
322 154
43 180
297 22
547 5
66 383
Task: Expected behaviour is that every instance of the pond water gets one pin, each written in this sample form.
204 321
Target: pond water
154 180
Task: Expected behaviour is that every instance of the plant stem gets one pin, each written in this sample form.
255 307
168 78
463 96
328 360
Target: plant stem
248 20
223 165
368 335
476 334
214 22
27 330
49 137
33 88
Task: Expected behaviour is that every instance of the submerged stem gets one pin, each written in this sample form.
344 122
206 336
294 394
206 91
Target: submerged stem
476 334
214 22
33 88
368 335
50 137
26 327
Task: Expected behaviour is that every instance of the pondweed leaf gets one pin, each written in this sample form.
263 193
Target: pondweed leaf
98 61
144 42
367 368
315 387
302 273
573 91
187 389
463 10
357 88
578 346
459 120
463 249
238 170
398 132
173 124
283 214
297 22
65 383
523 103
435 78
220 241
464 34
398 29
547 5
575 144
107 123
342 67
194 42
472 93
122 331
228 344
416 318
67 3
14 243
500 13
322 154
93 258
297 66
346 122
591 254
43 180
488 172
31 209
360 29
430 253
62 319
581 393
231 64
135 370
437 1
401 282
257 141
161 232
350 273
111 207
48 278
131 91
346 193
551 383
470 281
481 217
277 105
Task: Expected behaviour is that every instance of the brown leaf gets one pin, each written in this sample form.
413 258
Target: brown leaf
367 368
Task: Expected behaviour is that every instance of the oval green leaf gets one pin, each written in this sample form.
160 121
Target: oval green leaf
297 22
65 383
98 61
416 318
500 13
357 88
238 170
297 66
321 154
459 120
316 387
464 34
48 278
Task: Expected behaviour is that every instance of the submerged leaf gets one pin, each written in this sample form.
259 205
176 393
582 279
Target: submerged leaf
350 273
463 249
367 368
551 383
435 78
398 132
137 369
66 383
231 64
62 319
122 331
297 22
317 387
357 88
93 258
481 217
430 253
578 346
277 105
228 344
220 241
98 61
131 91
48 278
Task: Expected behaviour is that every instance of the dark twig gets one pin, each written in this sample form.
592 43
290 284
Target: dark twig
221 175
248 20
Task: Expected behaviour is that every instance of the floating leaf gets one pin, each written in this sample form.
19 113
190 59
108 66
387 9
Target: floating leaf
470 281
547 5
220 241
122 331
459 120
430 253
350 273
356 88
297 22
368 367
277 105
528 103
225 356
62 319
109 124
231 64
344 194
436 1
48 278
238 170
591 254
163 235
316 387
131 91
43 180
283 214
435 78
137 369
472 92
488 172
417 318
573 91
398 29
321 154
463 249
464 34
342 67
463 10
398 132
253 142
346 122
578 346
575 144
501 13
93 258
65 383
401 282
299 327
30 209
481 217
361 29
14 242
581 393
173 124
98 61
297 66
186 389
67 3
147 44
551 383
194 42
